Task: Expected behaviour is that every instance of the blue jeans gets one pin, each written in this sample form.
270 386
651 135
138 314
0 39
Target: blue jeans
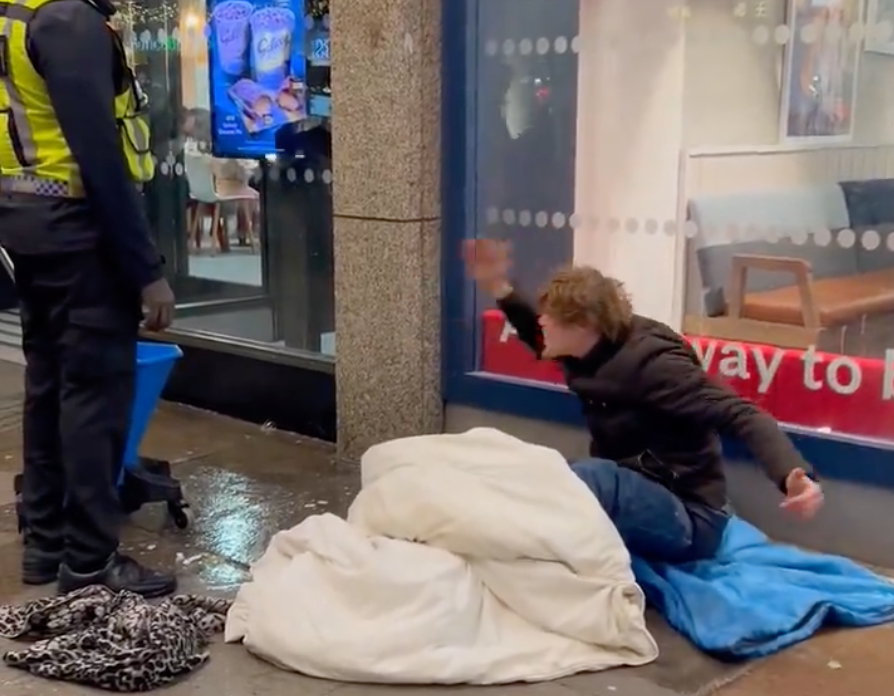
654 524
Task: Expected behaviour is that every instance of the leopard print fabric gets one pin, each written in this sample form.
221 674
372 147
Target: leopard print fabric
113 640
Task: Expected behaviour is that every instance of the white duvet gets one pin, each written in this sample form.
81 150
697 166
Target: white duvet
473 558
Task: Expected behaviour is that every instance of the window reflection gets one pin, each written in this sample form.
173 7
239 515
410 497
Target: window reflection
750 208
247 242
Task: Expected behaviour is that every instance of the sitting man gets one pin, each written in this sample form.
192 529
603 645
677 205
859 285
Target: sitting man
654 415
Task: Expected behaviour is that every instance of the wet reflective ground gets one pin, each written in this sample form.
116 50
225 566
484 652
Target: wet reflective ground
245 484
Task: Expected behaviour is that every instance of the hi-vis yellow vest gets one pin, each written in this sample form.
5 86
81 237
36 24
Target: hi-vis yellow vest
32 145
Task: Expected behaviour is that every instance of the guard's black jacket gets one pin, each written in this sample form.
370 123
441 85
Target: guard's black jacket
72 49
650 406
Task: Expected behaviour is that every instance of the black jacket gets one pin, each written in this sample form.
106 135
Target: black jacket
651 407
72 49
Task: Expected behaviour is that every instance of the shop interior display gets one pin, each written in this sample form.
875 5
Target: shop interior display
806 266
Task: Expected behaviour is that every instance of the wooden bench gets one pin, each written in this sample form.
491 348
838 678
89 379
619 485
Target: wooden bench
796 315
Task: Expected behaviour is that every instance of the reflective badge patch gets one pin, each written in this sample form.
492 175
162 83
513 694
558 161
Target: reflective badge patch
4 57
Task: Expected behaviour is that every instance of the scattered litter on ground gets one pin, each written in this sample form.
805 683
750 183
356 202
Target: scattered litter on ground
184 560
833 664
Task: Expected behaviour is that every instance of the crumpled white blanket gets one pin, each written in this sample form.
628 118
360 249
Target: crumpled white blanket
473 558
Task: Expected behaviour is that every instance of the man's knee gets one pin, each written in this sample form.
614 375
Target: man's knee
601 477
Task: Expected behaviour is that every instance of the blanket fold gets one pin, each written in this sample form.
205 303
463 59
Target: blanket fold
472 558
757 597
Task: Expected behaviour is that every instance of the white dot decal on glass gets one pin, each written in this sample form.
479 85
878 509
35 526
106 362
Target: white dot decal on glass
493 216
178 169
541 219
574 221
690 229
799 236
526 47
782 34
561 45
809 34
146 37
822 237
543 46
170 159
558 220
760 35
670 228
651 226
631 225
614 224
575 44
834 32
165 168
327 176
524 218
309 176
292 175
491 47
508 47
847 238
509 217
162 36
890 242
870 240
274 173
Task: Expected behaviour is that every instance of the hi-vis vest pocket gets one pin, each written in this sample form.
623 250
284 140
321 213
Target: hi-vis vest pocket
134 134
12 140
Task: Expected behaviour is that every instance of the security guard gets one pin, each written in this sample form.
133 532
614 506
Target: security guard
72 147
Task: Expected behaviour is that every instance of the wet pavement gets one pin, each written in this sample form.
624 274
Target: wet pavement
245 484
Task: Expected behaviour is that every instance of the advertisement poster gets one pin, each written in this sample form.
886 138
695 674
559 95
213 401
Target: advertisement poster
257 70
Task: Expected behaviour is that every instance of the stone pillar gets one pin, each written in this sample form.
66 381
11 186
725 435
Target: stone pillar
386 118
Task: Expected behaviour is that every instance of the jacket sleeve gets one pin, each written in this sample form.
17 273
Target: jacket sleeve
674 383
71 48
524 320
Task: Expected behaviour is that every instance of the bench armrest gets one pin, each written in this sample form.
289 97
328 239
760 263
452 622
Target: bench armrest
798 268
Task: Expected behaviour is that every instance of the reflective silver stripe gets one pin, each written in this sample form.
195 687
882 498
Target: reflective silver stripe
40 186
23 128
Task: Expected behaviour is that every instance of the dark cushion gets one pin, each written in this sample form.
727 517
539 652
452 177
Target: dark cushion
869 202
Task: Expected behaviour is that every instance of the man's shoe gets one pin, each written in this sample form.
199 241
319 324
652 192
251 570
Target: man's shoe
40 567
121 573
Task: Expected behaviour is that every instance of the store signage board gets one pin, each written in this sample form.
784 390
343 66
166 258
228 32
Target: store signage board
257 72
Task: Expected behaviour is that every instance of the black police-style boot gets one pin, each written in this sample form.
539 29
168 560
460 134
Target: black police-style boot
121 573
39 566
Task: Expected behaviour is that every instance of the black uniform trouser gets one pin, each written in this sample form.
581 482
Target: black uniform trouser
79 332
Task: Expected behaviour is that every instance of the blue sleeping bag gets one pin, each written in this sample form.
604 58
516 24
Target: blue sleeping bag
757 597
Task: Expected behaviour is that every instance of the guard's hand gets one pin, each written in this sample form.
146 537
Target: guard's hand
158 305
804 496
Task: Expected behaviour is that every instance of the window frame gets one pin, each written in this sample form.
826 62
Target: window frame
835 455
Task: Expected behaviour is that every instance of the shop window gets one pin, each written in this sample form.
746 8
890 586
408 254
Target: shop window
241 202
731 162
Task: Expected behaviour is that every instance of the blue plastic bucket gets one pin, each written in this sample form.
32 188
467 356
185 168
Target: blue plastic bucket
154 364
